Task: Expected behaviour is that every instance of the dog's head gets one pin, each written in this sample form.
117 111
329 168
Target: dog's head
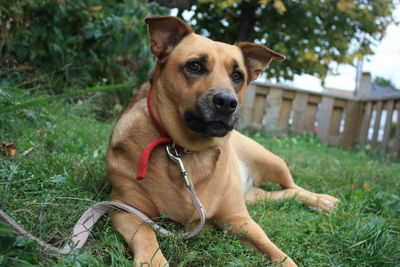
203 80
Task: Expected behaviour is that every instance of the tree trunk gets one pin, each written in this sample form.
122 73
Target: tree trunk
247 20
180 4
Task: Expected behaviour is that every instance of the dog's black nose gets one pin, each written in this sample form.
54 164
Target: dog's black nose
225 103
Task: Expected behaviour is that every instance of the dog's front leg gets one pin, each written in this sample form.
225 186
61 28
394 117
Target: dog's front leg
234 217
140 238
253 236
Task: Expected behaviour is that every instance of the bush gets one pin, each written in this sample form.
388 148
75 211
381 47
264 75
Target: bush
79 43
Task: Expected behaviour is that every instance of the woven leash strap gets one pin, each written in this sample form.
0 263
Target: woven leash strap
86 222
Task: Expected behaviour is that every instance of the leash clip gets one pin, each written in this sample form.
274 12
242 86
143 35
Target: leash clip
175 157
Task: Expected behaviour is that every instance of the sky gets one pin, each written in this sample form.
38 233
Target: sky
385 63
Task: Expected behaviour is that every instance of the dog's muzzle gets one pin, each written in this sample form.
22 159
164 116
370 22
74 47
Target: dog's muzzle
215 114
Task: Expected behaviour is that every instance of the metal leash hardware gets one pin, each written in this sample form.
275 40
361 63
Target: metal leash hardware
174 155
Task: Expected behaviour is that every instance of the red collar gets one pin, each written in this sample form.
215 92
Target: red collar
164 138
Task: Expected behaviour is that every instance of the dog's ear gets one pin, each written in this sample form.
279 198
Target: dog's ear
257 58
165 33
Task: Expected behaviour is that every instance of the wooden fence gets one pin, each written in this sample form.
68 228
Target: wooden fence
338 120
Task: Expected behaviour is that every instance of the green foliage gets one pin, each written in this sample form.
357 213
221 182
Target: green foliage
80 43
7 98
381 81
312 34
48 189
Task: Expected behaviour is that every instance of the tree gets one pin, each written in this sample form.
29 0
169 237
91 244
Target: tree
312 34
81 41
381 81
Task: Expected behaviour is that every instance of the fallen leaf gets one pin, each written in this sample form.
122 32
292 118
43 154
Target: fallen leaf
41 131
95 8
8 149
26 152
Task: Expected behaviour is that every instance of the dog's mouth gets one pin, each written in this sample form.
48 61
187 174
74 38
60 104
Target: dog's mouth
209 119
215 114
213 128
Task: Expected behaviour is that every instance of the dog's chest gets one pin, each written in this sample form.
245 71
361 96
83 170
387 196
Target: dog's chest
202 169
199 165
245 175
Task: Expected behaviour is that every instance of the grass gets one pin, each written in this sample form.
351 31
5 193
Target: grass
49 188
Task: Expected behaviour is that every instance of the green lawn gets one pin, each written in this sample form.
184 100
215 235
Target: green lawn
47 190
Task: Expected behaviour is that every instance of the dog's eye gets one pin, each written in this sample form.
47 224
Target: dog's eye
237 76
195 67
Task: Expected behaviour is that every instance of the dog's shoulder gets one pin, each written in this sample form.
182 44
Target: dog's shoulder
138 94
131 117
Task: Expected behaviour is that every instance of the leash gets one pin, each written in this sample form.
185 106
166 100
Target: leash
84 225
89 218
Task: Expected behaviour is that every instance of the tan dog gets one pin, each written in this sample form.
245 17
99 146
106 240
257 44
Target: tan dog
197 87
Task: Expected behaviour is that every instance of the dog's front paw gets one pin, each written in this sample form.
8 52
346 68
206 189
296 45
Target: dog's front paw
322 201
327 202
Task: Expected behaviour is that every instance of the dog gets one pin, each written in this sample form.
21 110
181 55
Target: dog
195 92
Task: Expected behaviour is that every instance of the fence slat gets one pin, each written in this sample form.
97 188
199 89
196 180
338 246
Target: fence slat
272 110
289 94
388 125
283 121
314 99
378 110
366 122
396 148
299 109
246 110
309 120
324 115
334 129
351 125
258 109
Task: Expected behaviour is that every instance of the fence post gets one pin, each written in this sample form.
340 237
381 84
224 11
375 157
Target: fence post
324 115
